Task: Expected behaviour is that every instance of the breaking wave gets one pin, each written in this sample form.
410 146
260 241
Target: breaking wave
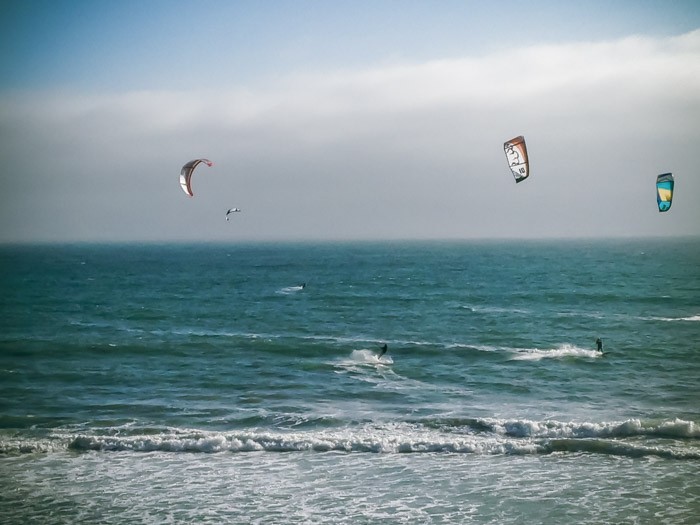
673 439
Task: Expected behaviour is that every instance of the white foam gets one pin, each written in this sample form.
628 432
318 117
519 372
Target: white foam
564 350
361 361
401 438
676 428
493 309
364 365
503 437
691 318
289 290
371 357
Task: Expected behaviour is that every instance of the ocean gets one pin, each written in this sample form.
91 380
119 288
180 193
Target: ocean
242 383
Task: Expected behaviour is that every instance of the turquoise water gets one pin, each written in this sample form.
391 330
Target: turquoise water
204 384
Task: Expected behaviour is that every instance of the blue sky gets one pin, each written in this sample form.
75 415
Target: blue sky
160 44
346 119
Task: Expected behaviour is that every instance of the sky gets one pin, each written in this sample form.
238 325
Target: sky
346 120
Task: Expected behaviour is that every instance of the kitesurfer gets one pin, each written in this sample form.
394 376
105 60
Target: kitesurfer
384 348
599 344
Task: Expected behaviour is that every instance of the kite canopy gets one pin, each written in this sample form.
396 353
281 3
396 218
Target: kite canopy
518 162
186 174
232 210
664 191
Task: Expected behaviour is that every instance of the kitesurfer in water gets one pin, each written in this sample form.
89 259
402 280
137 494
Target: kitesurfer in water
599 344
384 348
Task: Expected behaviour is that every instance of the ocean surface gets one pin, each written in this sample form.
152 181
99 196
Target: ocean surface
205 384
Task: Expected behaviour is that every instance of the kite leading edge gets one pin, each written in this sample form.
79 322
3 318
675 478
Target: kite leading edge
186 174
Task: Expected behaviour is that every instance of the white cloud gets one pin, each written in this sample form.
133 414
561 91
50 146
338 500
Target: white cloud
410 150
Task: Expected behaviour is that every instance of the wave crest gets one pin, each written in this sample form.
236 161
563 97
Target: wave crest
667 439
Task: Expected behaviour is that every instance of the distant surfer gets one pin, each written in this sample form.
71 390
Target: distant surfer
599 344
302 285
384 348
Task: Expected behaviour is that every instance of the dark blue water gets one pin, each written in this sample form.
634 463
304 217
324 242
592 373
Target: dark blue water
132 373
